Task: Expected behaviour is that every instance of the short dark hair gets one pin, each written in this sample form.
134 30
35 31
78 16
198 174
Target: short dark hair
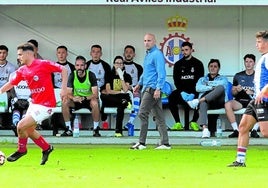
80 58
96 46
3 47
214 61
129 46
251 56
186 43
262 34
118 57
34 42
64 47
25 47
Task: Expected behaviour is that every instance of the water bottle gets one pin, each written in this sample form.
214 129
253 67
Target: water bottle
219 128
77 122
209 142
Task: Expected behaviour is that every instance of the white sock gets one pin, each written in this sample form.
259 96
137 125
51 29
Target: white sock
95 124
68 125
241 154
234 125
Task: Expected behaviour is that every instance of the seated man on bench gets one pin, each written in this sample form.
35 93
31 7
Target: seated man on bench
212 90
243 91
82 93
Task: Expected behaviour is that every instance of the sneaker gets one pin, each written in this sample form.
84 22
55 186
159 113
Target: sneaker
177 127
193 103
118 135
163 146
237 164
138 146
234 134
254 134
46 154
67 133
96 132
15 156
205 133
194 126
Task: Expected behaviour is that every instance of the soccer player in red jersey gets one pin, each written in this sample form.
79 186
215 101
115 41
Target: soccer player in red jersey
37 74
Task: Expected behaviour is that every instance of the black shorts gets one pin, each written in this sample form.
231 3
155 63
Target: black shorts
244 102
259 112
84 104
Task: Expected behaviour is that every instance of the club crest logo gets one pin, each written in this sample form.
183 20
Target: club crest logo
35 78
171 45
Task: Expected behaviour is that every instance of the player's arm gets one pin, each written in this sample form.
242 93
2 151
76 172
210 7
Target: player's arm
95 94
6 87
64 76
262 94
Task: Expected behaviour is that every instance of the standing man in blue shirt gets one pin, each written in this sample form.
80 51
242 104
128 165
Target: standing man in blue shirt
152 81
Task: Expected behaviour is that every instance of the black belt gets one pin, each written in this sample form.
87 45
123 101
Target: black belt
149 90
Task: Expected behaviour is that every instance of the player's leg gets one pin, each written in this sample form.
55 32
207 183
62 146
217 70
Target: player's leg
39 113
22 129
67 117
94 105
248 120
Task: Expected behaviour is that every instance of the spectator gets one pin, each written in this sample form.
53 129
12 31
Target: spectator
117 95
243 91
212 90
20 99
134 70
6 68
152 81
57 118
83 93
35 45
186 73
100 68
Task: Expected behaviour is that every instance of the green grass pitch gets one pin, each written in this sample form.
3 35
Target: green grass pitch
108 166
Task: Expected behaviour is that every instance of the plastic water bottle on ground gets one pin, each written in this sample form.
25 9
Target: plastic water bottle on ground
219 128
77 122
210 142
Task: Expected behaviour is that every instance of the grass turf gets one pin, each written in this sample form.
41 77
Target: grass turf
109 166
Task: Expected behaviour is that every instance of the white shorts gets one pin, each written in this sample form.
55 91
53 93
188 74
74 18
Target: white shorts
39 112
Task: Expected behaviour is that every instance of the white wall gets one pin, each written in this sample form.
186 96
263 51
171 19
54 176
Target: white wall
223 32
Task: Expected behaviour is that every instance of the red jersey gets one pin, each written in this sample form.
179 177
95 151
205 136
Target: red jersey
39 79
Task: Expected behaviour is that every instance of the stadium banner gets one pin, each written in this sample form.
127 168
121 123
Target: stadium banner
137 2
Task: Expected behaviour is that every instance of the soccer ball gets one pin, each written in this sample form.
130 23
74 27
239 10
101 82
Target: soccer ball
2 158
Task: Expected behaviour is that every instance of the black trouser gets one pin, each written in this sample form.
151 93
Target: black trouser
118 100
174 100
